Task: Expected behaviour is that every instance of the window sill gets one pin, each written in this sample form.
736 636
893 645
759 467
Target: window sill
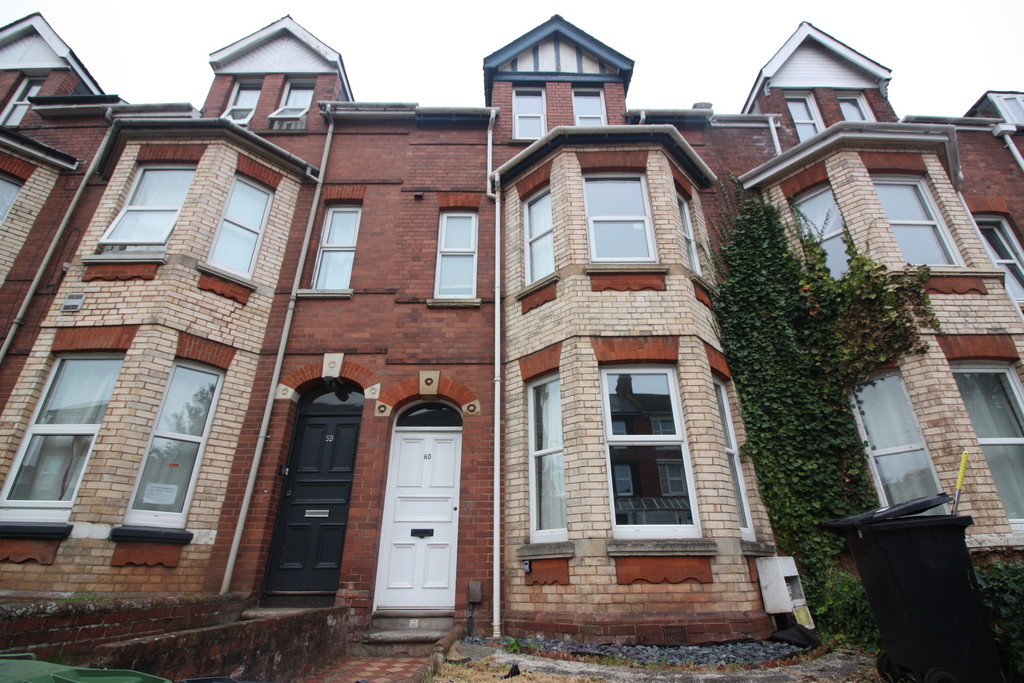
637 548
757 548
453 303
591 268
324 293
234 278
126 257
150 534
535 286
540 551
34 530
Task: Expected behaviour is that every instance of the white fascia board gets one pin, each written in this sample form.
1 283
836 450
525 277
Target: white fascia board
283 25
847 132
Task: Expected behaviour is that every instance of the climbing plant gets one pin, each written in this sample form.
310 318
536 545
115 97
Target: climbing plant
798 341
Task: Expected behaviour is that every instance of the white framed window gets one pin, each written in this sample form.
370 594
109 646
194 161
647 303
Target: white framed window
547 469
294 108
163 490
528 113
243 103
819 214
241 229
618 219
1005 252
47 470
588 108
1012 107
337 249
915 222
540 238
8 192
692 247
854 106
899 459
733 453
649 472
19 105
805 114
993 396
456 257
152 210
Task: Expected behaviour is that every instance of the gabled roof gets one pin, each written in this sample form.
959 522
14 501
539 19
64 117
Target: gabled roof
590 60
31 44
994 104
828 51
281 47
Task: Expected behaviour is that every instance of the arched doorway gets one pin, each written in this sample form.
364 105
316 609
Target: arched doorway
309 535
419 534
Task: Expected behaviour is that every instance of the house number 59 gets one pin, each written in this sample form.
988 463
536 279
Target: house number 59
426 456
329 438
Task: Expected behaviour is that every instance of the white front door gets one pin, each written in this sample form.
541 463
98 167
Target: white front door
416 569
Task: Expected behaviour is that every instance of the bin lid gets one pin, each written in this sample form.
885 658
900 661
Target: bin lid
33 671
905 509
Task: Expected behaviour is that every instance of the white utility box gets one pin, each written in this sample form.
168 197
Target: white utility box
781 589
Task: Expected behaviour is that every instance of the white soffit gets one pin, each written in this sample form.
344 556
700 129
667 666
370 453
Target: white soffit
281 47
29 51
31 43
813 65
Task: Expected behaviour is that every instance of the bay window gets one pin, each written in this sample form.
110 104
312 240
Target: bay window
692 248
820 216
915 223
540 239
153 206
241 229
618 220
732 452
1005 252
547 472
8 191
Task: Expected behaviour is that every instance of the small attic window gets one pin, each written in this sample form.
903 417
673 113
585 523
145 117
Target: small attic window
1012 108
292 114
243 103
19 105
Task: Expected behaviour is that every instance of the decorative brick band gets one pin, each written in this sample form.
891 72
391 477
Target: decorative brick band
343 194
979 347
205 351
683 185
635 349
549 572
627 282
894 162
20 550
996 205
258 172
534 181
804 180
612 162
105 338
702 294
539 297
955 284
149 154
468 201
719 365
16 167
540 362
662 569
143 554
113 272
226 288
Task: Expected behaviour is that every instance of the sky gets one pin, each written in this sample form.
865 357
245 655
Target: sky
943 56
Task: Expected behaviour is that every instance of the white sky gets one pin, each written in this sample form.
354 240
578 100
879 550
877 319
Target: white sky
943 55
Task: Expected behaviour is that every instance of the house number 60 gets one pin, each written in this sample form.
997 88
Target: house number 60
426 456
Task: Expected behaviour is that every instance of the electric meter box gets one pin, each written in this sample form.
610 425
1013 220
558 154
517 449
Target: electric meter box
781 589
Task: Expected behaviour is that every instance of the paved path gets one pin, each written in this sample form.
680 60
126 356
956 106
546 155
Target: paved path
373 669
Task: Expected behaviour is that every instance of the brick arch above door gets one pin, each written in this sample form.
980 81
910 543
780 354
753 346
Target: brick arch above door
304 378
429 385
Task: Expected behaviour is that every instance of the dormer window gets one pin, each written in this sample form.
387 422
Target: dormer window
19 106
588 107
243 103
292 114
854 107
528 112
1012 107
805 115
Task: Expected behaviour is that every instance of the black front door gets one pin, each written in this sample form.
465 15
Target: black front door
309 536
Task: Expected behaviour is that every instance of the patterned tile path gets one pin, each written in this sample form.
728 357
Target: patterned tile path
374 670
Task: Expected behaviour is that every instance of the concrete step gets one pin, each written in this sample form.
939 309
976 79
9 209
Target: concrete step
404 633
412 620
266 612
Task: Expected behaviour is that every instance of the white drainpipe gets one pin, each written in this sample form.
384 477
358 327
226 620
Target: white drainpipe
495 194
772 123
1006 131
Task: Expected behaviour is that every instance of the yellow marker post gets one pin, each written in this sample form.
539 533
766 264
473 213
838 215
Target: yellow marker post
960 480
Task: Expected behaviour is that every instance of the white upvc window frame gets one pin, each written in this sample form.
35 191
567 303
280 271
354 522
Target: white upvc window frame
290 116
645 218
536 454
229 113
1012 262
732 452
934 222
1011 107
58 511
110 242
1017 395
446 252
875 453
813 118
530 240
587 119
689 237
9 190
830 232
258 231
327 247
19 105
519 116
176 520
617 473
859 101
